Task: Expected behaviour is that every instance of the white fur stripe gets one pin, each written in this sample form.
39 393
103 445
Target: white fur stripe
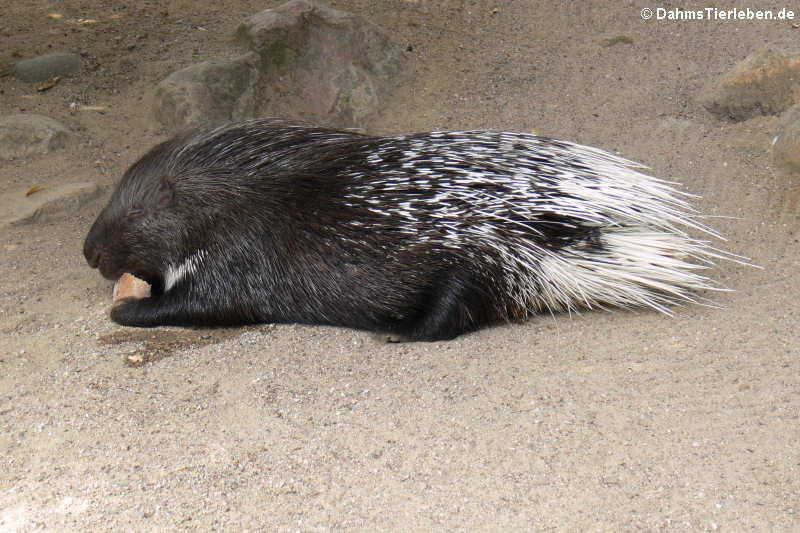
174 274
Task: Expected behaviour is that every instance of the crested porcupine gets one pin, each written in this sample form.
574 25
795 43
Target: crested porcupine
423 236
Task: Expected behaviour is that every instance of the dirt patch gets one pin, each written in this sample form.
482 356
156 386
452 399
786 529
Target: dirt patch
154 345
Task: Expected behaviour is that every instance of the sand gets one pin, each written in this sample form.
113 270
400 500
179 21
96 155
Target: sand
594 422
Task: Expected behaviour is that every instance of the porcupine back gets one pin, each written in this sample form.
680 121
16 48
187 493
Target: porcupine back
566 226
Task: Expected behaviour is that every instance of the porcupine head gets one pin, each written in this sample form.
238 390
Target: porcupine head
149 222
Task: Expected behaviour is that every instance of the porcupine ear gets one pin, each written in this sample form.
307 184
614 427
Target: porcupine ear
164 195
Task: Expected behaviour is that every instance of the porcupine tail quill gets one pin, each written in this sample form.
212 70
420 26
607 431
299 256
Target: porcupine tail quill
581 228
642 255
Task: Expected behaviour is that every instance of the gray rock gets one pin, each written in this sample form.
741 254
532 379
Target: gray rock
49 203
321 64
210 91
28 134
41 68
763 84
307 61
786 146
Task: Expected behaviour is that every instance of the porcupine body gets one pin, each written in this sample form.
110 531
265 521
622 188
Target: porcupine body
423 236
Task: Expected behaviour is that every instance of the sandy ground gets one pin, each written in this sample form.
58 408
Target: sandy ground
599 422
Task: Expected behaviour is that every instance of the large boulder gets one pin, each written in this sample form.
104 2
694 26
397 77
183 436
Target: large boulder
321 64
307 61
767 82
29 134
211 91
24 205
786 145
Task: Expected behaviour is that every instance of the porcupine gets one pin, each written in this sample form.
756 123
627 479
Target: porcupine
422 237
